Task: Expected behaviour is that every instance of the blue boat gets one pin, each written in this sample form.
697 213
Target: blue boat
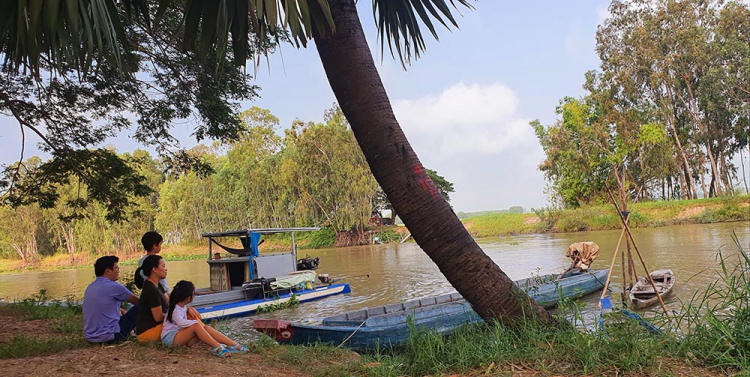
244 281
388 325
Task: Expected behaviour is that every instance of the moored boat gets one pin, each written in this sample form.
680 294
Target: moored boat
388 325
642 295
248 281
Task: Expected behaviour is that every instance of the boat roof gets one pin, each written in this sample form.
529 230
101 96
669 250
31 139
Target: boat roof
245 232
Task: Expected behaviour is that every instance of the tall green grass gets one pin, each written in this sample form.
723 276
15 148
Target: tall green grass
563 350
715 323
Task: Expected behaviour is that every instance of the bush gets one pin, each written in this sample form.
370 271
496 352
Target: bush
325 237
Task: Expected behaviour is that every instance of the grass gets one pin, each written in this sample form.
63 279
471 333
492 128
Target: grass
29 346
63 318
604 217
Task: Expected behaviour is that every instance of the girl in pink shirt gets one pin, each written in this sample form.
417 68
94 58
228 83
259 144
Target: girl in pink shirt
178 330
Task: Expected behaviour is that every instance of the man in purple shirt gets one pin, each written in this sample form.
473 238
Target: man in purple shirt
103 321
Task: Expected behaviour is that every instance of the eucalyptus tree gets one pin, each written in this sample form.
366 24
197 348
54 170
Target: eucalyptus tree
631 47
330 175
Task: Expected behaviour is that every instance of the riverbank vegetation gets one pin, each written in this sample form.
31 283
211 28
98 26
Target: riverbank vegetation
709 337
315 175
667 113
644 214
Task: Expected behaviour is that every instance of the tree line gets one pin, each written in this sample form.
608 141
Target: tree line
666 114
313 175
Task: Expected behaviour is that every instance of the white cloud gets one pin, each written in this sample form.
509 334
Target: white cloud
465 119
474 136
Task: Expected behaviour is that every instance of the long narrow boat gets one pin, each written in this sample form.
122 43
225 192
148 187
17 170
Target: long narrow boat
386 326
642 295
247 281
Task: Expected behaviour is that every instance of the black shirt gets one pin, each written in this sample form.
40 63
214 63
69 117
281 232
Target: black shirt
151 297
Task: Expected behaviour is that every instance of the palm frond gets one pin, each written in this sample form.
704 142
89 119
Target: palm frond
62 34
213 21
398 23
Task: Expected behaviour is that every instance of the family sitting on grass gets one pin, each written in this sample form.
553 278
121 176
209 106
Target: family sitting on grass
156 315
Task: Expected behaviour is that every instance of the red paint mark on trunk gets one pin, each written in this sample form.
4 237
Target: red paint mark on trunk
426 182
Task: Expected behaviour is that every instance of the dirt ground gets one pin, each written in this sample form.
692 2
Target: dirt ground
130 359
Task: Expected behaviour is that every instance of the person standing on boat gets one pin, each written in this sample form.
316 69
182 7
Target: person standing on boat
582 254
153 303
103 319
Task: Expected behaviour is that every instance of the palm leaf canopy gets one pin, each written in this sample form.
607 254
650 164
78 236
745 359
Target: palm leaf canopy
72 34
398 22
63 34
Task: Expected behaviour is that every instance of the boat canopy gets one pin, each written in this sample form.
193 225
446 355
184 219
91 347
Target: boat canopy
245 232
248 257
250 238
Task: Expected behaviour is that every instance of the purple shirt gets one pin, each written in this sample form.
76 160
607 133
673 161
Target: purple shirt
101 309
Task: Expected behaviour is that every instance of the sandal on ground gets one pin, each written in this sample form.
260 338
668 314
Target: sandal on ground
238 348
221 351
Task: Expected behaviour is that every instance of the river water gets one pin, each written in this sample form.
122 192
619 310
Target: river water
383 274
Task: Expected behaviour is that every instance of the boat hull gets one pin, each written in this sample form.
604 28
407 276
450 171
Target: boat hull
240 308
642 294
389 325
444 321
547 291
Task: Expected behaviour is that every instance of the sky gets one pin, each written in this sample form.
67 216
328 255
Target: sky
465 105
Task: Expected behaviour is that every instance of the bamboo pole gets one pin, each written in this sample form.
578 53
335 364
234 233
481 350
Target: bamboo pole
648 273
611 267
624 277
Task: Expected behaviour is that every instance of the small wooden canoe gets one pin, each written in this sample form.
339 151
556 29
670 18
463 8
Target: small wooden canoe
642 295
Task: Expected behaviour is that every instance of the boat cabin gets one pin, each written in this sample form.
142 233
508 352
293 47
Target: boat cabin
246 264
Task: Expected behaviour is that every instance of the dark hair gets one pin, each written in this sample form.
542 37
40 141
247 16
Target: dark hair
151 262
103 263
150 239
182 290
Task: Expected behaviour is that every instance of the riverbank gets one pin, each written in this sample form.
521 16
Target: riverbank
47 340
604 217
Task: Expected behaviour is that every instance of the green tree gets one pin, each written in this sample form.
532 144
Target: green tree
105 60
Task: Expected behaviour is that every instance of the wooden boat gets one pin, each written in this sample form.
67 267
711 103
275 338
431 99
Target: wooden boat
247 281
642 295
547 291
388 325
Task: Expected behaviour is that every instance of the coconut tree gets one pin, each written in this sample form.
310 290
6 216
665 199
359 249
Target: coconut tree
335 27
339 38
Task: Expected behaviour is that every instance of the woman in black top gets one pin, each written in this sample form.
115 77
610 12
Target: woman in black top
153 303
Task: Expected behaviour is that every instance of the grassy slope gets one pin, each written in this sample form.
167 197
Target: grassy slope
602 217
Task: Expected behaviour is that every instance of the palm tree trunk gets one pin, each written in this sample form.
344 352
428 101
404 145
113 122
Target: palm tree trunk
355 81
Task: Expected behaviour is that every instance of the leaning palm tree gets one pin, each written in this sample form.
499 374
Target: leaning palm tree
335 27
354 79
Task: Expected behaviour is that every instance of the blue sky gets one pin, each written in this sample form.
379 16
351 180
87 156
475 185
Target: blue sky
465 105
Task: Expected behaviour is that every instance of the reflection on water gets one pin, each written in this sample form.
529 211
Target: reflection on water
385 274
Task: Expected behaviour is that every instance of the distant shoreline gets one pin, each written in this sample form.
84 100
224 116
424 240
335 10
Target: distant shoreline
592 218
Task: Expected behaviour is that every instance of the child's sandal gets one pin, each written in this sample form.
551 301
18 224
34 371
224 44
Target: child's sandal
221 351
238 348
